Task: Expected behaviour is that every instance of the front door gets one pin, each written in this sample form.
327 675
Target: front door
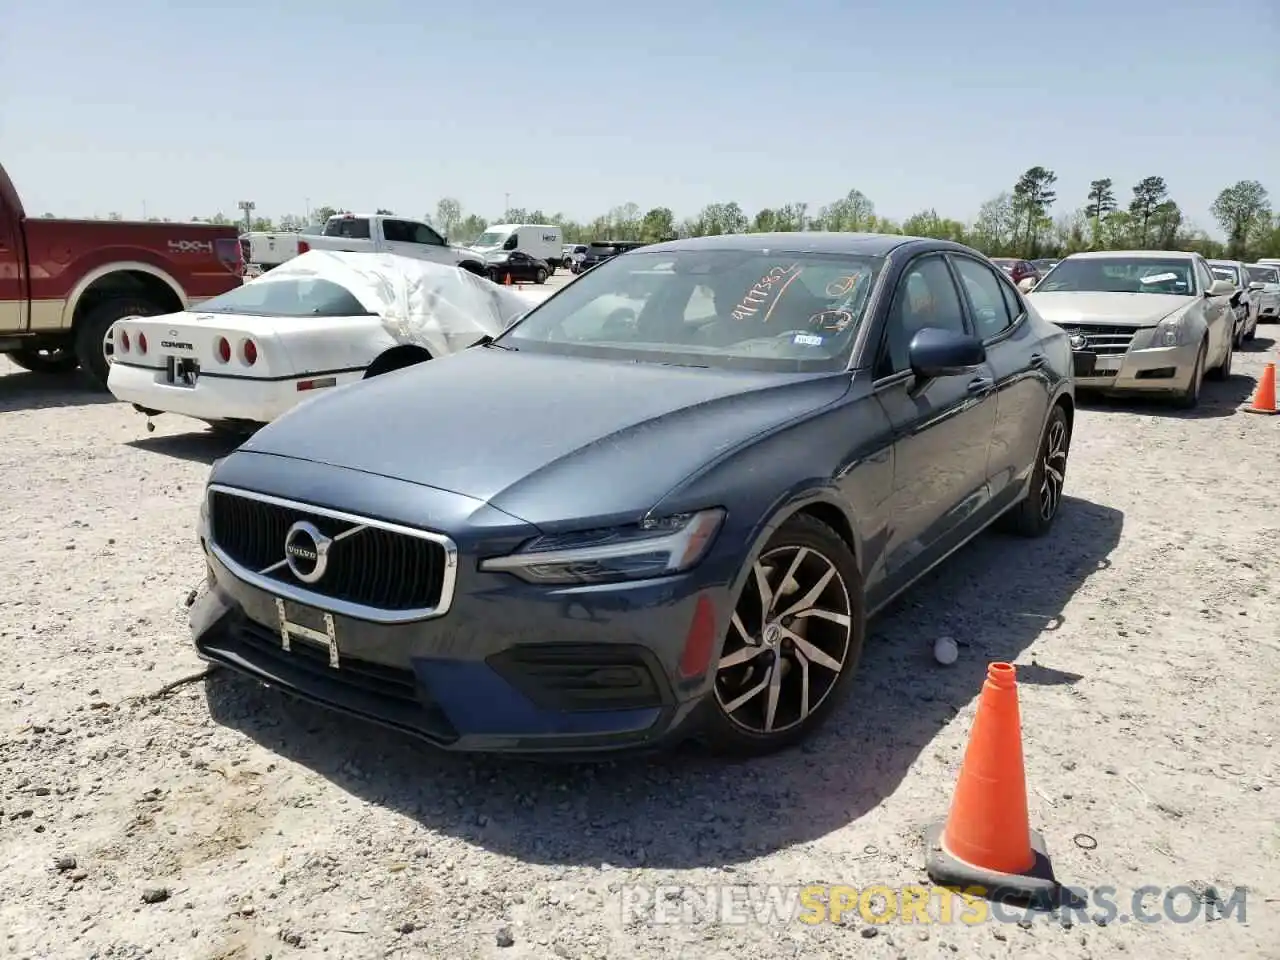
942 427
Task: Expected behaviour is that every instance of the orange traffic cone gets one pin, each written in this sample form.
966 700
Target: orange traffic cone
987 842
1264 398
507 281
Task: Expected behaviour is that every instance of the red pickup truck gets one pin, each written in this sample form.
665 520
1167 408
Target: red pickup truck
63 283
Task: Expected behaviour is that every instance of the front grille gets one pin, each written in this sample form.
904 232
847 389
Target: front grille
581 676
1104 340
369 566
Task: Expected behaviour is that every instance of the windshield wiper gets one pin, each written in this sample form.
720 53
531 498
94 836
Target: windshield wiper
488 341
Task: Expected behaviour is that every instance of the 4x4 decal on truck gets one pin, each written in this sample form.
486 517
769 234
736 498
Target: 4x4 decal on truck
190 246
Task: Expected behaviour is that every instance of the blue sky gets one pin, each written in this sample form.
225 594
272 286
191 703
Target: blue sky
576 107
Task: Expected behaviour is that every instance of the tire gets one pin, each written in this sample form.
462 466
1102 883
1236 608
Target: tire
58 360
746 666
540 276
1189 399
1033 516
1223 370
91 332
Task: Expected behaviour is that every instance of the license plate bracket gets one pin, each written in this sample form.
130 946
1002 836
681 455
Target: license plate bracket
306 623
182 371
1084 363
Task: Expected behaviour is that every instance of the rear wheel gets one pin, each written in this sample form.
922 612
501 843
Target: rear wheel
92 348
1035 514
57 360
540 276
793 642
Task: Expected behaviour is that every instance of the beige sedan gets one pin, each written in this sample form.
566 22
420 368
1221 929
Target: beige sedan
1141 321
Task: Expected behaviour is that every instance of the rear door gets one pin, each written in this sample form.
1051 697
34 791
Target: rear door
1022 385
13 281
943 427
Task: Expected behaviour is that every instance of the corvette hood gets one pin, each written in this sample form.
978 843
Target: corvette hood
544 437
1120 309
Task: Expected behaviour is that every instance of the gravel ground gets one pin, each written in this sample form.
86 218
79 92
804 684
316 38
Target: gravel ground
220 820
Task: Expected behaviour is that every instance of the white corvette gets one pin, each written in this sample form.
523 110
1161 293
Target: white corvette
319 321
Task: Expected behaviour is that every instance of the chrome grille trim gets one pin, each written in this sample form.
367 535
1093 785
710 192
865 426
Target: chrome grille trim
1103 339
277 588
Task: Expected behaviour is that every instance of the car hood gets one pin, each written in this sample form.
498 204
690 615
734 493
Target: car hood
544 438
1119 309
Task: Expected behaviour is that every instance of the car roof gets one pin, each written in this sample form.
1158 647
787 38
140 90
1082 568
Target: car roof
806 241
1132 254
1228 263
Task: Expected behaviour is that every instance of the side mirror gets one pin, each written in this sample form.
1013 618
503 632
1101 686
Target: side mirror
944 353
1256 284
1220 288
1027 284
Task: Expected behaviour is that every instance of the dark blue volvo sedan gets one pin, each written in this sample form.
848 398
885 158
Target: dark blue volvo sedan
662 504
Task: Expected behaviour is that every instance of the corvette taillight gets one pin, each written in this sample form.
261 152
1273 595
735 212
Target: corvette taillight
124 341
224 349
250 352
142 343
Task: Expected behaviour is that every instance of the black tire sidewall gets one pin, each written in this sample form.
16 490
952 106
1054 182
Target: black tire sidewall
92 331
720 733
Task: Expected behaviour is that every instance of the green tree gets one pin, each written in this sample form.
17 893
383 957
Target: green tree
448 215
321 214
1148 194
384 212
1033 195
995 230
927 223
658 224
1244 213
852 213
1102 201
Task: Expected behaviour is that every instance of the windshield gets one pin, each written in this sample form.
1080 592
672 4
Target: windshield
742 310
287 297
1264 274
1226 272
491 239
1120 275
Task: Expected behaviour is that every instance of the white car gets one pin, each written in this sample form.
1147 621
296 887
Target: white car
1264 284
1245 301
320 321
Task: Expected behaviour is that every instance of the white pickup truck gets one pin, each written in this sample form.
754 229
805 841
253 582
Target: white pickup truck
355 233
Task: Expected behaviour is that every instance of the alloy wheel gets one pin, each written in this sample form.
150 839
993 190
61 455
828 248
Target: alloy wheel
1055 469
788 641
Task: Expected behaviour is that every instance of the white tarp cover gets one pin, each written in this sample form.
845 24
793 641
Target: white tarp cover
421 302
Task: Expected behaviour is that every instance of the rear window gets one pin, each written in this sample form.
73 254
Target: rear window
353 228
1263 274
287 297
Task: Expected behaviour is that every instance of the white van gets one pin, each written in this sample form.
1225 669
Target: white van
540 240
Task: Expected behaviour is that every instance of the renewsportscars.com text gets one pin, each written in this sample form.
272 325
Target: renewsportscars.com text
917 904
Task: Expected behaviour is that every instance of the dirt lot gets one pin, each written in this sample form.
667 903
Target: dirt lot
1145 630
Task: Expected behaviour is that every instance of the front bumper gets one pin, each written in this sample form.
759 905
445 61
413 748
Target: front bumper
1140 370
509 668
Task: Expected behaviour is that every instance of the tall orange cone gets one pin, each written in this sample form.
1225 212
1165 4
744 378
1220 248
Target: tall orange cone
1264 398
507 282
986 841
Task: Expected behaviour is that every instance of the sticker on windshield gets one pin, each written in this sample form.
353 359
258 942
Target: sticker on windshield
765 293
807 340
1159 278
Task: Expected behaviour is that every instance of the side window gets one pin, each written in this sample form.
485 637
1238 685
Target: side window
1011 301
926 297
394 231
424 234
990 310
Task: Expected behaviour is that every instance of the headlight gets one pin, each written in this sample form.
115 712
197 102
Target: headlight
654 548
1171 331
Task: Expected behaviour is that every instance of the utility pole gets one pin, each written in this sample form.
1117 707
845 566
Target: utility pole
247 206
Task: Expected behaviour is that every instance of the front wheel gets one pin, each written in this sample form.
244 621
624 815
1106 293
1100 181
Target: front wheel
1189 399
1035 514
1223 370
794 640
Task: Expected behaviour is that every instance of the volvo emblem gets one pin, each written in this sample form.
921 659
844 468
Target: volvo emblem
306 551
1079 341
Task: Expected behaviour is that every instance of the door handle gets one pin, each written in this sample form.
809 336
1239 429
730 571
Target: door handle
981 385
1037 360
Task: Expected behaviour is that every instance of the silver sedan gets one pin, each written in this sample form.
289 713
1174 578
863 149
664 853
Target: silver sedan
1142 321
